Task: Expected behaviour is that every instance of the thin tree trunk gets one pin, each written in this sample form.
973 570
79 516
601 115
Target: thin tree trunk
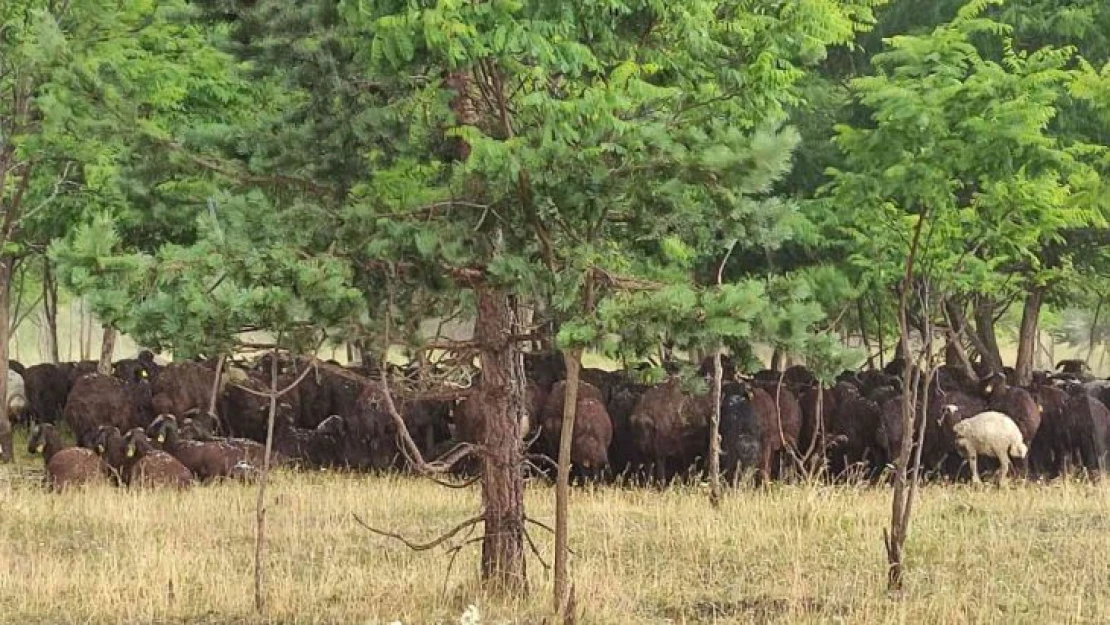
573 360
984 327
882 333
260 503
1027 338
503 564
6 443
212 399
107 349
863 333
776 360
83 341
899 521
1093 334
50 312
715 432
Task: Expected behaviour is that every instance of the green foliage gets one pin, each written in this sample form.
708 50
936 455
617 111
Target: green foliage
965 141
242 273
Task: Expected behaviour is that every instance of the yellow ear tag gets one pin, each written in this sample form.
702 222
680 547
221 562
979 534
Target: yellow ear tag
41 448
162 437
130 452
100 449
143 373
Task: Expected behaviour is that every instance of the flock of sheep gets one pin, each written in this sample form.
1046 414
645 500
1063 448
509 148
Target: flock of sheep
147 424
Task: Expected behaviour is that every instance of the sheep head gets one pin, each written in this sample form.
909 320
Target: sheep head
948 414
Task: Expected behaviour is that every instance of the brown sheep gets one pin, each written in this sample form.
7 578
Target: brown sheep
593 430
108 444
670 427
147 466
97 400
780 415
181 387
207 460
65 466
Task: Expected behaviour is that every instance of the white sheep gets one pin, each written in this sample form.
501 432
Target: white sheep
17 394
993 434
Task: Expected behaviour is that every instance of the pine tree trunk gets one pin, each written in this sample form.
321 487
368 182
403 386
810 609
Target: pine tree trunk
1027 338
6 448
984 327
503 564
107 349
50 313
573 360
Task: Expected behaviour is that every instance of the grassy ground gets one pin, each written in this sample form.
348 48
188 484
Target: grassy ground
790 554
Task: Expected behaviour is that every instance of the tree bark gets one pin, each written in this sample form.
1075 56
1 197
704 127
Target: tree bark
107 349
715 432
50 312
501 399
984 328
573 360
6 448
1027 338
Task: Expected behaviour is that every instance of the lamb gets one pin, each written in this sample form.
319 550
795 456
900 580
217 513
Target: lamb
989 433
65 466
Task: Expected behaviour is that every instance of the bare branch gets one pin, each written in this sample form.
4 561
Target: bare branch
292 385
420 546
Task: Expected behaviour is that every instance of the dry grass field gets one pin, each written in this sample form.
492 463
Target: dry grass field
789 554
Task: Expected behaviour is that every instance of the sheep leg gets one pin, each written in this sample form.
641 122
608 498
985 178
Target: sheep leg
973 462
661 471
766 455
1003 467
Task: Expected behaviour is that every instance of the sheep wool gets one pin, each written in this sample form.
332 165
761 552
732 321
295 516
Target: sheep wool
992 434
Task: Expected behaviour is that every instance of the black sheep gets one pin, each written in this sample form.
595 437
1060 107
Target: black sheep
1016 403
741 431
